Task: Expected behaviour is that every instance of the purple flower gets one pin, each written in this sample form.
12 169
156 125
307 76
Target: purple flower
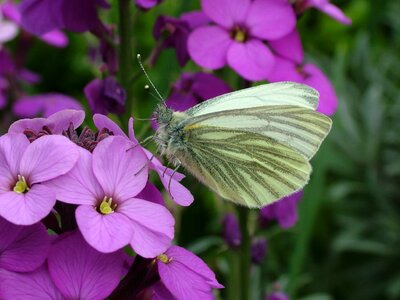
323 5
173 33
237 38
277 296
147 4
231 231
28 286
54 124
105 185
258 250
25 168
70 257
74 271
44 105
284 211
185 275
8 30
42 16
22 248
105 96
55 37
193 88
290 65
177 191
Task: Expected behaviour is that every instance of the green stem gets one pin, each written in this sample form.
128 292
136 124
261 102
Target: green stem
243 214
125 54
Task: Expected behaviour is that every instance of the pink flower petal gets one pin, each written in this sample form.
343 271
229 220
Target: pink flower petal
161 292
226 12
56 38
194 263
79 186
271 19
102 121
328 101
289 47
62 119
8 31
152 194
182 282
36 285
284 70
208 46
12 147
27 249
106 233
131 131
251 60
311 75
35 124
28 208
57 123
331 10
153 226
48 157
120 168
179 193
81 272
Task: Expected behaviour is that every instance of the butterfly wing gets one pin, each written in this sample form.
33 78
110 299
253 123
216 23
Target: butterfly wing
245 167
280 93
300 128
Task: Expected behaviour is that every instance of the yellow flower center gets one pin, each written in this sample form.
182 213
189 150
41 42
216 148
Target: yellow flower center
164 258
21 186
106 206
239 34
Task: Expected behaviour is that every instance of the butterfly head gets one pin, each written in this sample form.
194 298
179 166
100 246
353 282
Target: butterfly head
163 115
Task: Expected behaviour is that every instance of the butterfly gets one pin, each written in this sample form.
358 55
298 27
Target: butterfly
252 146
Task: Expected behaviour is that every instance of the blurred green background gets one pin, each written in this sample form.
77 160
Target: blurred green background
347 242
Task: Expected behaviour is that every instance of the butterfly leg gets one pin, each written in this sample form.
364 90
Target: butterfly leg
170 179
142 143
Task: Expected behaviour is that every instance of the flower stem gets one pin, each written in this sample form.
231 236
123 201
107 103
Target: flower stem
243 214
125 53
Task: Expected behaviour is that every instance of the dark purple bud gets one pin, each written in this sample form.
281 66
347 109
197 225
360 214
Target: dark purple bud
172 33
193 88
258 250
231 231
283 211
277 296
40 17
105 96
147 4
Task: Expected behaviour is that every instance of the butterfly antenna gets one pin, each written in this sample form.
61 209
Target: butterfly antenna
148 90
139 58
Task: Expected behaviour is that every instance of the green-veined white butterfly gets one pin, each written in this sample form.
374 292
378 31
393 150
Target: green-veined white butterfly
251 146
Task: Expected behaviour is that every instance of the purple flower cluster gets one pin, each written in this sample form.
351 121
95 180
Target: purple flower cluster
47 168
258 39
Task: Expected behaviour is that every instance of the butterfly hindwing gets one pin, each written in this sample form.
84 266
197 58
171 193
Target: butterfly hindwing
245 167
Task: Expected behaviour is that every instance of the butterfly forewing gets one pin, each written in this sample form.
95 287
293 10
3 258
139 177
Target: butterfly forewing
300 128
280 93
245 167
